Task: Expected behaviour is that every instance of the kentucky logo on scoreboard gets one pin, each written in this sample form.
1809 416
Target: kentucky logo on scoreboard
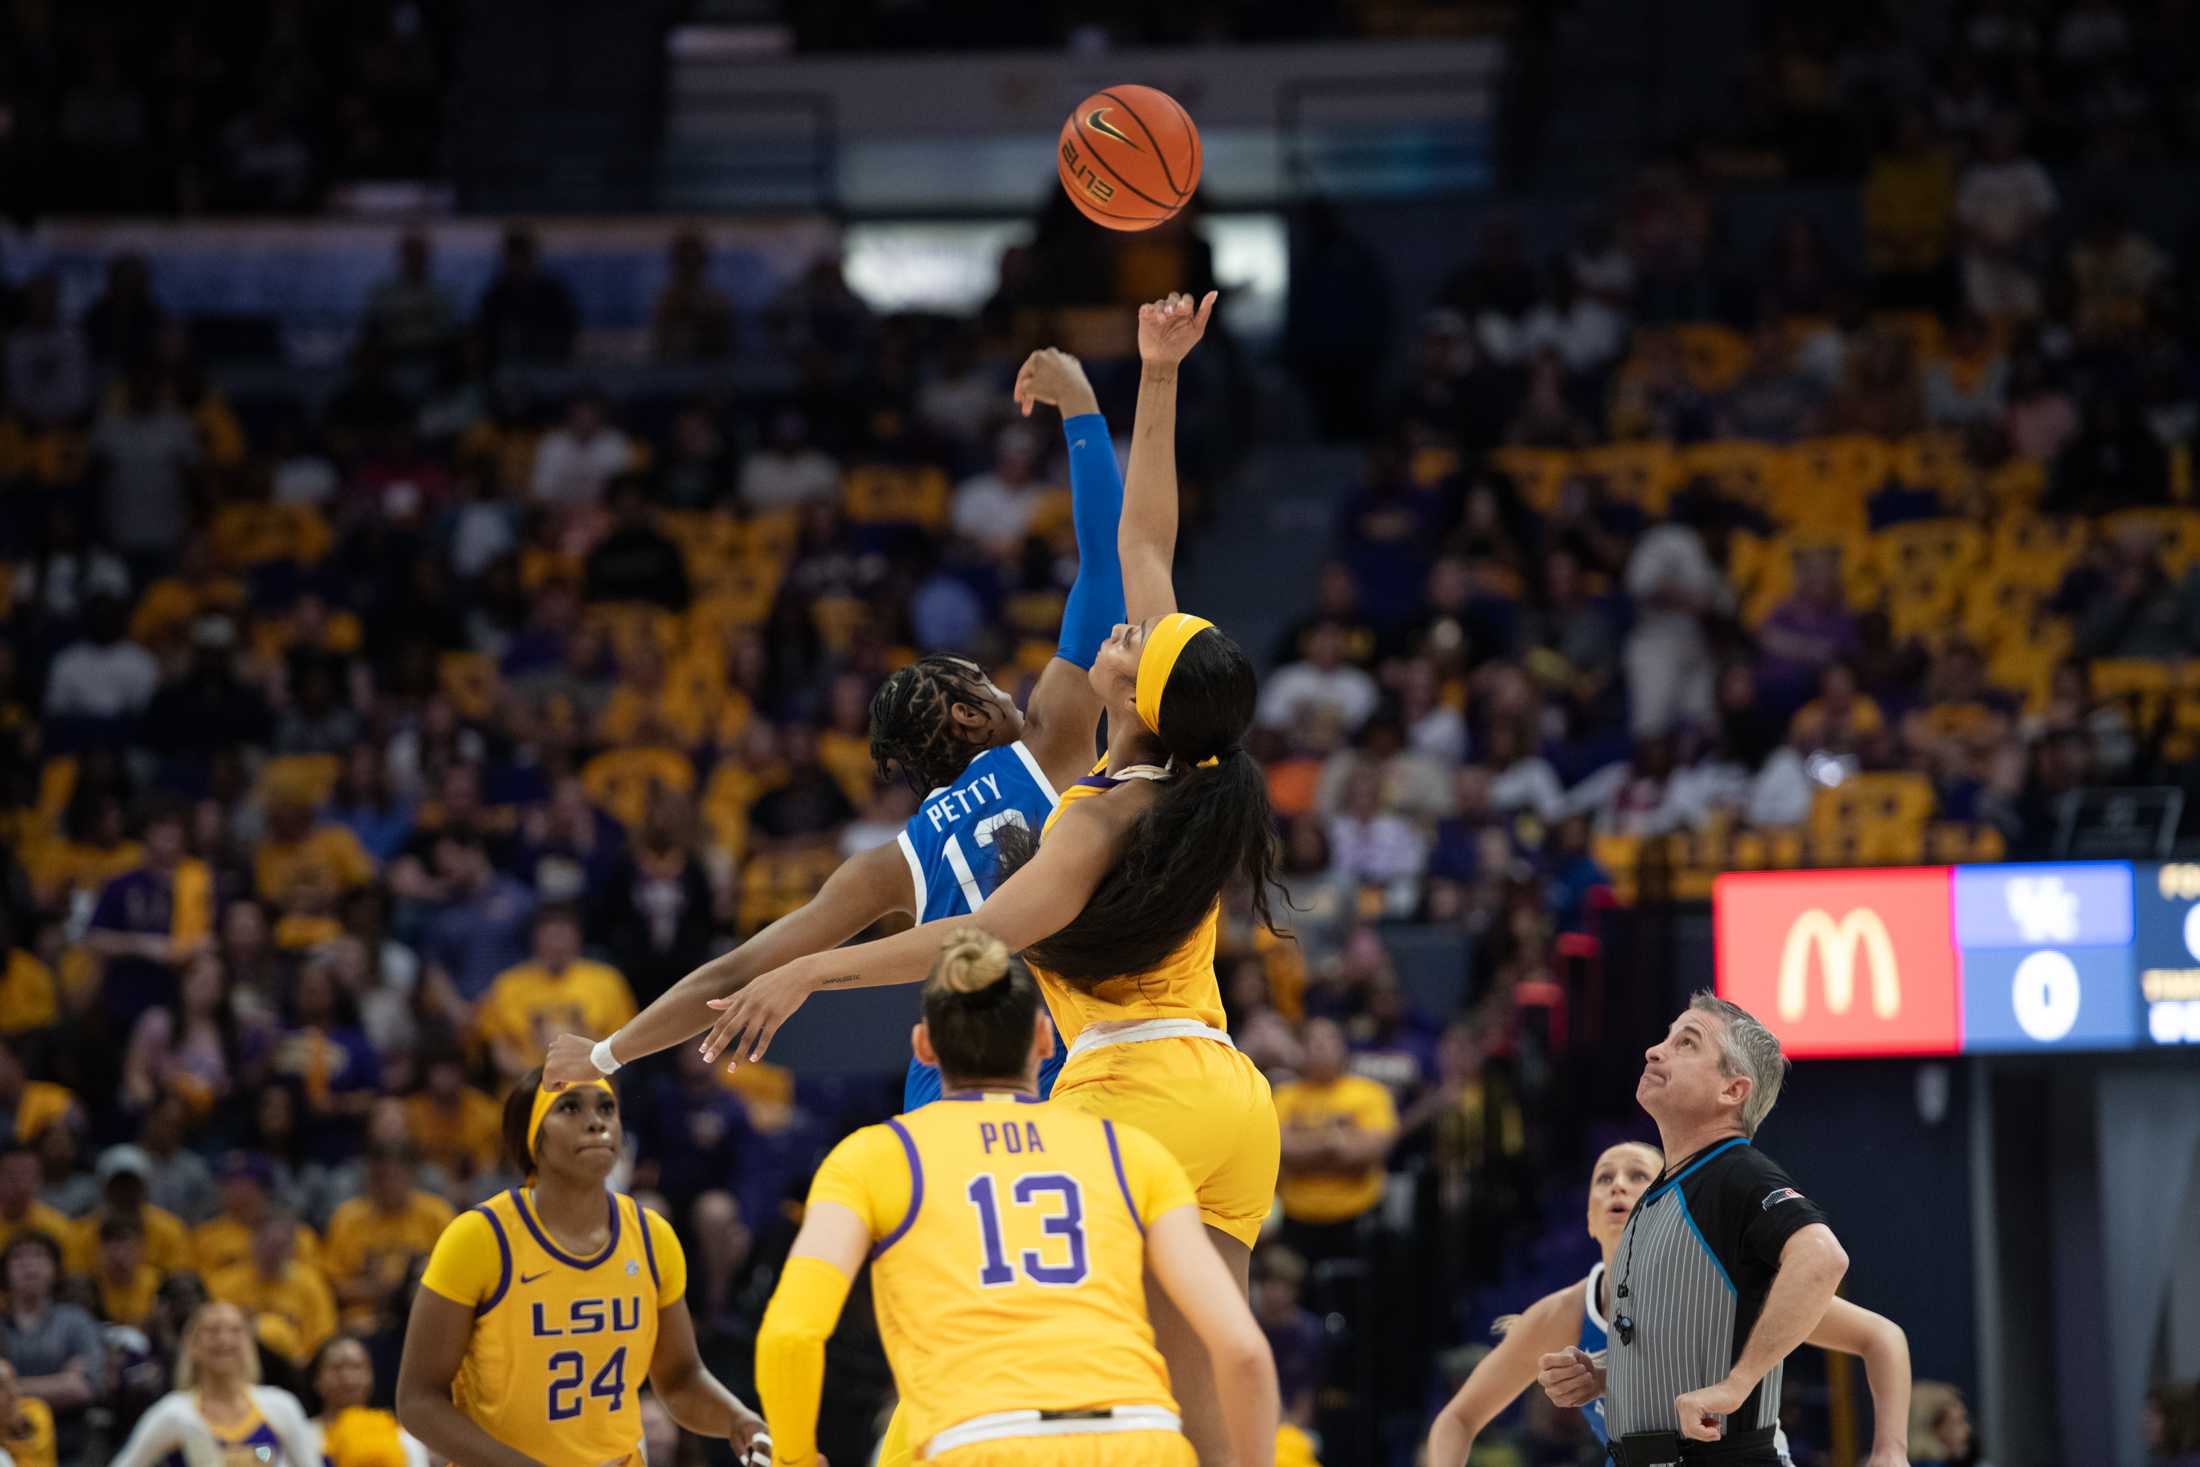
2046 956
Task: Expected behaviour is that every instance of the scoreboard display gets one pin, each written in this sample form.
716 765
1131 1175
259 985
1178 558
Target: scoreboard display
1947 960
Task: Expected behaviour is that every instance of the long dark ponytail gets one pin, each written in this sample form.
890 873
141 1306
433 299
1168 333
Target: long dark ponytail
1211 825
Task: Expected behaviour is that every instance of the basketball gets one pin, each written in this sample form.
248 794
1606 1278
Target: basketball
1129 157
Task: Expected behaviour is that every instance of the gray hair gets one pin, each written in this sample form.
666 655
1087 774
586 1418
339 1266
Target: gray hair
1746 1047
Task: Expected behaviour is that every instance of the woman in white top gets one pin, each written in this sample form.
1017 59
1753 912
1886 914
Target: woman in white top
219 1414
349 1432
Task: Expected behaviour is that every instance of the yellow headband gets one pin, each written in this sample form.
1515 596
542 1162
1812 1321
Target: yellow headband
1157 660
544 1096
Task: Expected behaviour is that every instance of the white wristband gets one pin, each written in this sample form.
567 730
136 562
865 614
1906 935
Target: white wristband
603 1059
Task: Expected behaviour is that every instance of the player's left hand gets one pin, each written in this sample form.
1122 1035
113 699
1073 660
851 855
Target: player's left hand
753 1015
1169 328
751 1442
1703 1413
1052 376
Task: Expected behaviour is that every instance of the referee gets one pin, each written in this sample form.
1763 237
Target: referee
1723 1269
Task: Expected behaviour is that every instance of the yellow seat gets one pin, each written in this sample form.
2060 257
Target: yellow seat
1750 472
895 494
1955 842
1850 466
1643 472
312 776
469 680
2149 685
620 781
774 883
1716 355
1866 799
1940 546
1922 606
1996 607
1932 461
1538 473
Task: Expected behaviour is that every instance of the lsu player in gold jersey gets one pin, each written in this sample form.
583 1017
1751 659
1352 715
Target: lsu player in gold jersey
1118 906
543 1310
1010 1239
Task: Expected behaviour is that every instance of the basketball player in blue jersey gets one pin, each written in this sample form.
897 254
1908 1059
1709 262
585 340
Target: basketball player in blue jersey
1574 1318
978 763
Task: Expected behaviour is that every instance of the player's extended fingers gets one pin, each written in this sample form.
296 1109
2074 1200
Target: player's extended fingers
721 1033
766 1031
1206 309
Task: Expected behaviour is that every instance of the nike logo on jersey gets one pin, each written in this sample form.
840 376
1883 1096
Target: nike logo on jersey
1097 120
528 1278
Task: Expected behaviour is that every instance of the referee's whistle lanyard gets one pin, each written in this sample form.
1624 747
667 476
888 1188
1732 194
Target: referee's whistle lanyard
1623 1319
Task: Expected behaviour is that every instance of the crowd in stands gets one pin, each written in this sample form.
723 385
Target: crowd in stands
196 108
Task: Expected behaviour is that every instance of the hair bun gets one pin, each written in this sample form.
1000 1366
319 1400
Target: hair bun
972 959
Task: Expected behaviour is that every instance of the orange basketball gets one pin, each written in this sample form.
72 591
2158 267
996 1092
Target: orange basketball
1129 157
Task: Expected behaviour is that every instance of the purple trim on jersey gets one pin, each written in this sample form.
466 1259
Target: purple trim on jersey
649 1247
610 1246
504 1264
916 1190
1115 1155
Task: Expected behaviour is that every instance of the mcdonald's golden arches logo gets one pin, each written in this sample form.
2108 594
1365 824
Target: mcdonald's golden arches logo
1859 934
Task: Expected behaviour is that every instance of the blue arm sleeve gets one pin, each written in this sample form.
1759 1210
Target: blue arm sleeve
1095 604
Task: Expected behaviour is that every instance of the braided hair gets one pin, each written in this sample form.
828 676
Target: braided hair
913 734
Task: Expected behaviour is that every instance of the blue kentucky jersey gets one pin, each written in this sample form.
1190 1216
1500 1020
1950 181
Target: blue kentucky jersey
1593 1339
955 860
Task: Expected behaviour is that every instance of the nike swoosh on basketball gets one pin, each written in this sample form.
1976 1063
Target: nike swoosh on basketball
528 1278
1097 120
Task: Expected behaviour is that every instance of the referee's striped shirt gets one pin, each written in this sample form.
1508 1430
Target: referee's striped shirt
1697 1261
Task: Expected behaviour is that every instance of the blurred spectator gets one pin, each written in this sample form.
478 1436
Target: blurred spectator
124 1285
654 907
103 679
2041 417
289 1301
634 561
1940 1426
693 321
455 1126
410 316
788 471
1336 603
1808 631
1909 203
2114 274
54 1348
696 470
579 457
374 1237
527 314
1771 400
1676 588
480 929
248 1200
21 1211
1374 847
46 372
1295 1335
1569 640
1967 384
122 325
2003 203
1322 679
2113 462
1337 1128
2140 612
996 509
145 452
557 992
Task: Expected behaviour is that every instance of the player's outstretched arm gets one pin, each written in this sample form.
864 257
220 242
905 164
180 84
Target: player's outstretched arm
867 887
1885 1351
1199 1284
790 1345
698 1400
436 1336
1064 713
1551 1324
1167 331
1044 896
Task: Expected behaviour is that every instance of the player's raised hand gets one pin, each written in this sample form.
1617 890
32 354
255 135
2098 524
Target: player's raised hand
568 1062
1169 328
747 1020
1052 376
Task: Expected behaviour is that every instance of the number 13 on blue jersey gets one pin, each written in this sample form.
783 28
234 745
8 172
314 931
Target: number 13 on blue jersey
960 864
